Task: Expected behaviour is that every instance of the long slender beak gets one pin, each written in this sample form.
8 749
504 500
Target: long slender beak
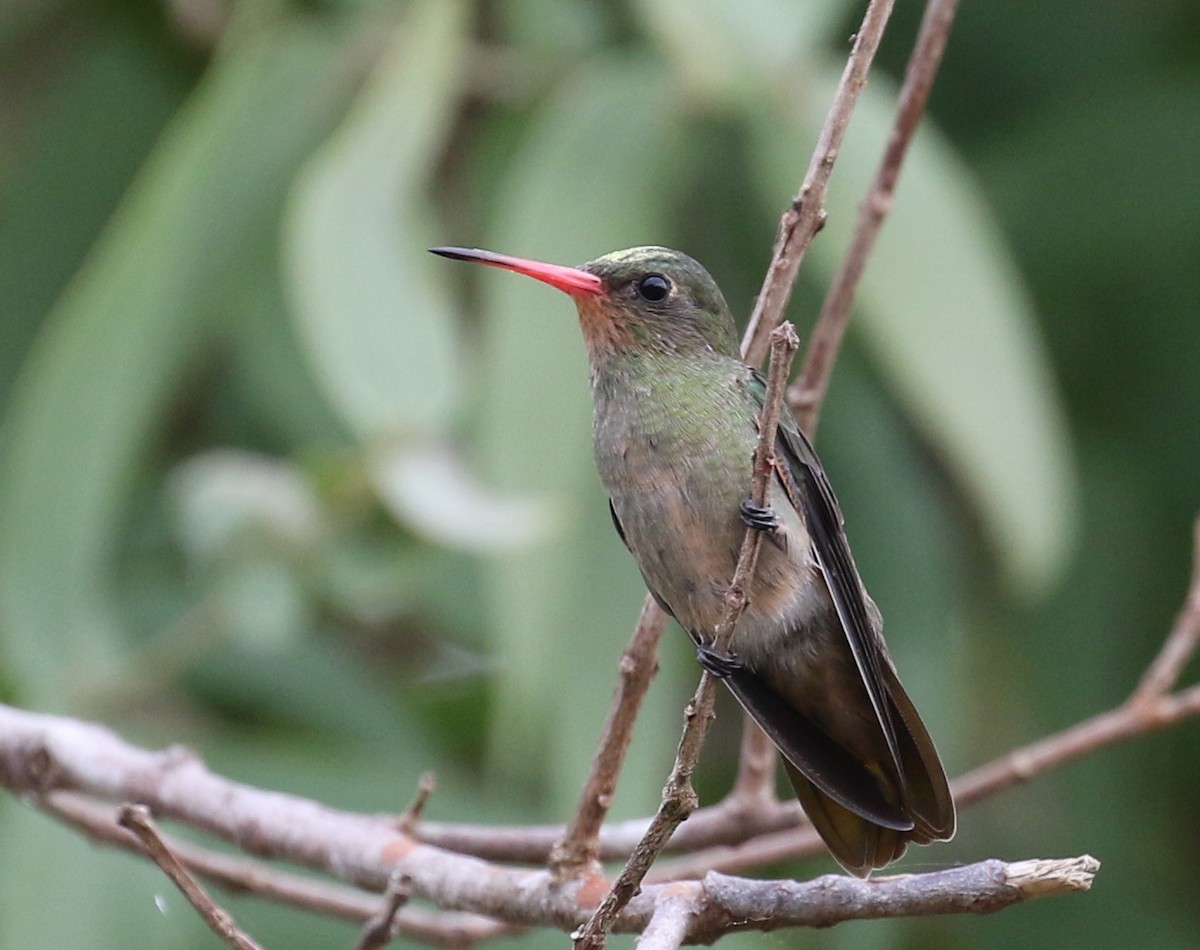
570 280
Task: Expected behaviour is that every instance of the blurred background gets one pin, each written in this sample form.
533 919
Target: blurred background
278 485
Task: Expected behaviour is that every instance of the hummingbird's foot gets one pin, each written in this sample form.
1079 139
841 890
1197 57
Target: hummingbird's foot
763 518
717 663
759 517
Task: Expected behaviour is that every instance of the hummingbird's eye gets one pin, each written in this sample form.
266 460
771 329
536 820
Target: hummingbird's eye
653 288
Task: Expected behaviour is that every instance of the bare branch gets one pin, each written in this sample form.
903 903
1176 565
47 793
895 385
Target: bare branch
578 850
806 214
42 756
975 888
136 818
408 820
1106 729
679 799
382 927
753 790
728 821
808 392
245 875
1162 675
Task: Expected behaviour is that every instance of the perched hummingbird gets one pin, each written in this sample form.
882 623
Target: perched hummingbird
676 415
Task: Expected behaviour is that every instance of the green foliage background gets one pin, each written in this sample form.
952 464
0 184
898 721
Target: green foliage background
277 485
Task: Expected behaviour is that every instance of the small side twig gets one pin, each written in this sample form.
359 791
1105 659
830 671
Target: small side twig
1151 706
812 382
679 798
136 818
754 788
426 786
381 929
241 874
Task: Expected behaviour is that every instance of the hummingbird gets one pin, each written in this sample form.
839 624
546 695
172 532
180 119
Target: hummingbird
675 429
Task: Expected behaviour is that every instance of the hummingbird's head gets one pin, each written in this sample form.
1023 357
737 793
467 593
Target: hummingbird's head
644 298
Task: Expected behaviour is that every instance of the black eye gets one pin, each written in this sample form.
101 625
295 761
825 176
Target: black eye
653 288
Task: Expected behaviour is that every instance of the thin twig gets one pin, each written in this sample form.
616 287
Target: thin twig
136 818
241 874
679 798
806 214
725 822
1098 732
382 928
808 392
426 786
1162 674
753 790
578 850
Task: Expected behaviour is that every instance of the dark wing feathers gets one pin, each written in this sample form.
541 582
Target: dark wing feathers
809 490
821 760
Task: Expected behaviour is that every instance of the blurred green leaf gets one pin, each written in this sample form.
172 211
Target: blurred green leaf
953 330
117 348
726 49
109 102
429 489
224 496
379 335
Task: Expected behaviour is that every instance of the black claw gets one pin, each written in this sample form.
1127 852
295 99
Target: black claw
761 517
717 663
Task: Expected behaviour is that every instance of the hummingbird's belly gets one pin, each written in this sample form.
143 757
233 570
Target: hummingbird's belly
686 533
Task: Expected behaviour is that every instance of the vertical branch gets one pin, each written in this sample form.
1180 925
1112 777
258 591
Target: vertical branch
808 392
805 216
679 798
798 226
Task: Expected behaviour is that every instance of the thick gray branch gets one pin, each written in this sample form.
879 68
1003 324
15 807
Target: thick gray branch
41 754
